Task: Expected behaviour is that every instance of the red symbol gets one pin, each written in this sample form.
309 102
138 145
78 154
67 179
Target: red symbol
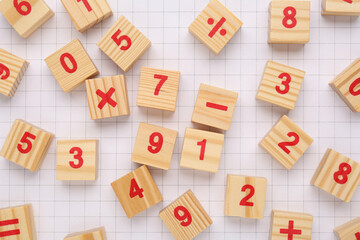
291 231
217 27
357 235
348 1
106 98
11 232
216 106
118 40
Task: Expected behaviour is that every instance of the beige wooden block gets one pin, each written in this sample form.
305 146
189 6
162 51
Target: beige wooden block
17 223
347 85
214 107
137 191
124 43
349 230
76 159
25 16
12 69
107 97
87 13
290 225
26 145
280 85
202 150
92 234
245 196
158 89
71 65
337 175
154 146
215 26
286 142
185 217
341 7
289 22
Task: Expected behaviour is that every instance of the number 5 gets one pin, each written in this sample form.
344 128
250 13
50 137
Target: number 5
25 139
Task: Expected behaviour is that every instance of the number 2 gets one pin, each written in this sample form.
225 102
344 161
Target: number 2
353 86
283 145
155 146
185 216
87 5
26 140
244 201
285 83
289 13
202 149
135 190
163 79
3 69
19 7
77 156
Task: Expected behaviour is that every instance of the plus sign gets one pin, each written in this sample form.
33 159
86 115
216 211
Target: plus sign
357 235
291 231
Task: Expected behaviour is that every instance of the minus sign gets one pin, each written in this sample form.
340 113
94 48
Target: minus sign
216 106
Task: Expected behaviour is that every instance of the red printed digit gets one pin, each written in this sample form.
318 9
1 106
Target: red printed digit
87 5
289 13
244 201
285 83
283 145
135 190
20 7
118 39
163 79
4 72
357 235
185 216
64 64
349 1
26 140
353 86
202 150
77 156
155 146
344 171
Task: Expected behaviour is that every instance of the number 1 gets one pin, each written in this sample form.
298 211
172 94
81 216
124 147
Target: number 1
202 150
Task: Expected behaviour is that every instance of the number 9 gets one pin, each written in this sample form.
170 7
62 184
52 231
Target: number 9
185 216
155 146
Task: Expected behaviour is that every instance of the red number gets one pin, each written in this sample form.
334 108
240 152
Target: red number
349 1
284 145
118 40
155 146
77 156
72 60
87 5
19 7
3 69
135 190
161 83
185 216
289 13
202 150
344 171
25 139
286 83
244 201
357 235
353 86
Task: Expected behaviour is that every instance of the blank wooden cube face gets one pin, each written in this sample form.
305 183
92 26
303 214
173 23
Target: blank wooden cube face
215 26
76 160
289 22
137 191
107 97
337 175
185 218
158 89
281 85
124 43
286 142
12 69
214 107
341 7
93 234
154 146
26 145
71 65
349 230
245 196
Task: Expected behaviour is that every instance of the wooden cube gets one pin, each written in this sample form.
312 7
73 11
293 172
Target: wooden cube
286 142
92 234
347 85
137 191
76 160
154 146
215 26
214 107
202 150
185 218
85 13
17 223
245 196
158 89
341 7
26 145
107 97
289 22
71 65
124 43
25 16
349 230
337 175
290 225
281 85
12 69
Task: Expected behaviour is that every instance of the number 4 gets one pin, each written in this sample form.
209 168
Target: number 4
135 190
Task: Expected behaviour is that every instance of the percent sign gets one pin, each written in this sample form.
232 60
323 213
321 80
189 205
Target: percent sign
217 27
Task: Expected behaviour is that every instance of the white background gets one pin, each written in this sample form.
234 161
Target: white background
63 207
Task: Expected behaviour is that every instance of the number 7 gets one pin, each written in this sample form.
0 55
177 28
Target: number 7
163 79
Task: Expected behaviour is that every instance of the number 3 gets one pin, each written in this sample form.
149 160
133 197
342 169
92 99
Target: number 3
77 156
285 83
25 139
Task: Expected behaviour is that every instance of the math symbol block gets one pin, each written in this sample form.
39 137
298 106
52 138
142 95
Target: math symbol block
124 43
281 85
185 217
349 230
341 7
245 196
107 97
12 69
71 65
26 145
337 175
154 146
92 234
290 225
286 142
158 89
215 26
214 107
137 191
289 22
